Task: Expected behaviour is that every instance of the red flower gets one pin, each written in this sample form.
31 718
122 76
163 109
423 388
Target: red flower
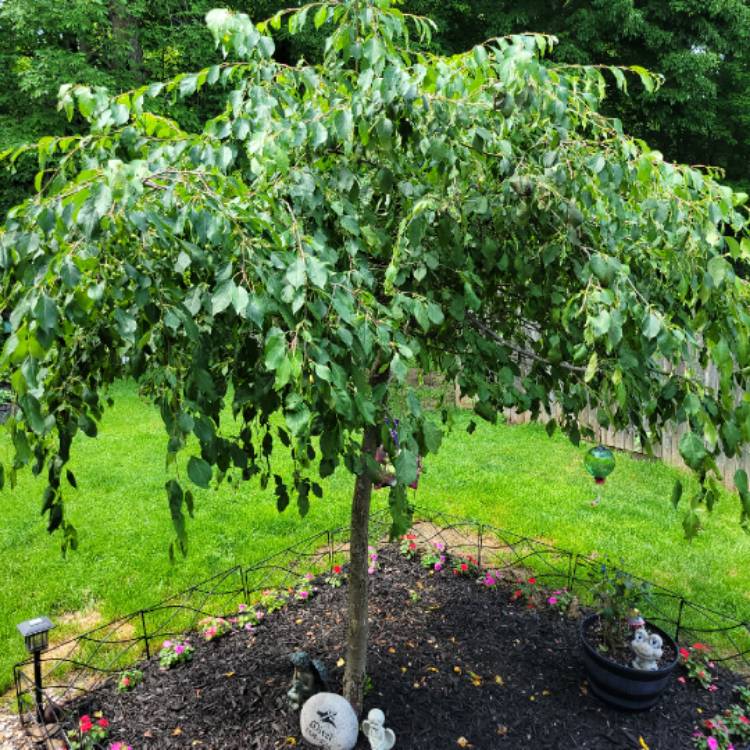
464 567
684 653
700 647
337 569
532 581
412 545
103 723
410 536
708 724
744 720
84 723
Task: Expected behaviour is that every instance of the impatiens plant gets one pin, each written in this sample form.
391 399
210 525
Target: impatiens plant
271 600
372 560
173 653
465 566
697 662
435 559
128 680
561 599
408 546
246 617
334 225
212 628
731 726
336 577
90 733
120 746
526 592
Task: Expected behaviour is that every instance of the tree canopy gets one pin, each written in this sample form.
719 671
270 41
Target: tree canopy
699 116
334 225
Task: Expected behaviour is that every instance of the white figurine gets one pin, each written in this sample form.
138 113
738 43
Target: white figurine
377 735
648 650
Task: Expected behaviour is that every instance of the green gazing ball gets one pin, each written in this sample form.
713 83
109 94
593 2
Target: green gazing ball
599 462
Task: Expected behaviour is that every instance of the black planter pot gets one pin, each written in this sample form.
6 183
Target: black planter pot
621 686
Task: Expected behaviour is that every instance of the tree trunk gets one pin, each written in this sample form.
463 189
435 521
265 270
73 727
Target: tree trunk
356 651
127 52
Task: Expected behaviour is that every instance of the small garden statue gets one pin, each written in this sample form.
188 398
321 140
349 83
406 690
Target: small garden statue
310 677
373 727
648 650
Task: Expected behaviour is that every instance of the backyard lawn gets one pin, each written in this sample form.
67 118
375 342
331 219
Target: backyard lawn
511 477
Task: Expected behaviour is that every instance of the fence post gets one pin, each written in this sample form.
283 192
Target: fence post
572 567
679 620
145 634
480 544
245 592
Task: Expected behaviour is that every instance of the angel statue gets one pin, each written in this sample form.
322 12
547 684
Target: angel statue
377 735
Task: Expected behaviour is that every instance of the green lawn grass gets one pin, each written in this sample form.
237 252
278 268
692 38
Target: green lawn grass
511 477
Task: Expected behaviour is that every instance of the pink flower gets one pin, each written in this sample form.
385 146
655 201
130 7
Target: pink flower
259 614
438 566
309 576
711 743
179 648
166 644
303 594
248 626
681 679
712 688
242 607
371 570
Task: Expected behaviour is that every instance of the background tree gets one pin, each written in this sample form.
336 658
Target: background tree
335 224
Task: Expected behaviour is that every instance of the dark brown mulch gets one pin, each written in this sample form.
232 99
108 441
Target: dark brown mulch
453 661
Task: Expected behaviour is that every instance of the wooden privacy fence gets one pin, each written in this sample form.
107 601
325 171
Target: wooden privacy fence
667 449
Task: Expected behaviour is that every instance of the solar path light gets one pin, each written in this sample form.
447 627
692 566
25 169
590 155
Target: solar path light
36 637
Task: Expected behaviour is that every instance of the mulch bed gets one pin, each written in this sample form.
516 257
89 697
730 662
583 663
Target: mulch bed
453 660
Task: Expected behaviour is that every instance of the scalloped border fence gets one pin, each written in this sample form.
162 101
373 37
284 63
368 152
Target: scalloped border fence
84 663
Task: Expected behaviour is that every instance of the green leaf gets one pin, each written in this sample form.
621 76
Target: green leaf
591 368
199 471
676 493
320 17
651 326
692 450
406 466
344 124
275 349
399 370
433 436
222 297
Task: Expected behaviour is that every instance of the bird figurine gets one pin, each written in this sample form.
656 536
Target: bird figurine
377 735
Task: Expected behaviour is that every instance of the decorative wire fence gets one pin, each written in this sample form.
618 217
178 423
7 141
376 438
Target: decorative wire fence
85 663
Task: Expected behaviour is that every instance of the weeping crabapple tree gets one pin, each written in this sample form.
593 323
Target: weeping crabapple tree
337 224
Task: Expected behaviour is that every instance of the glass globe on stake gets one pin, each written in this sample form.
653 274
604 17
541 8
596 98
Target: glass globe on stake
599 463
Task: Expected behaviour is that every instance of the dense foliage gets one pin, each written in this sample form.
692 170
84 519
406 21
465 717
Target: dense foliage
339 223
699 116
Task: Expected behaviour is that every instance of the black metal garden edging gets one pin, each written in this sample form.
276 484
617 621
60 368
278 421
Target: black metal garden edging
85 662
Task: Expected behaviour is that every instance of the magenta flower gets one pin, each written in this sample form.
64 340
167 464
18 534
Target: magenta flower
179 648
489 580
438 566
303 594
552 601
712 744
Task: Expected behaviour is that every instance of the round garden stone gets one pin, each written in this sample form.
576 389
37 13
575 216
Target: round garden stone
327 720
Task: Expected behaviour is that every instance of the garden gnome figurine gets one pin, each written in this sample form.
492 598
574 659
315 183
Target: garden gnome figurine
377 735
648 650
309 678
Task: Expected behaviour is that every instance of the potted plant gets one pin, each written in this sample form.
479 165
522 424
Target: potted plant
629 662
